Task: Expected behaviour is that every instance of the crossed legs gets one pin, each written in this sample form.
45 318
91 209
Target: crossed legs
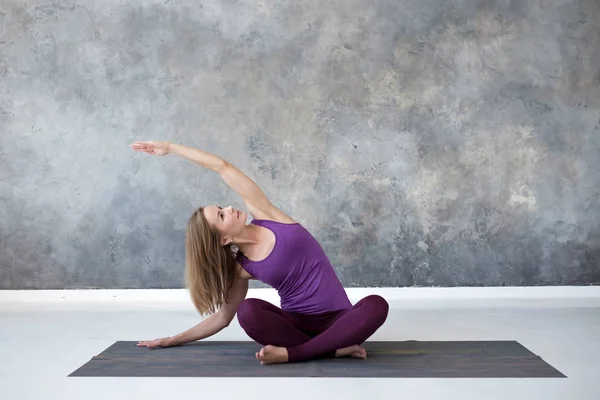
293 337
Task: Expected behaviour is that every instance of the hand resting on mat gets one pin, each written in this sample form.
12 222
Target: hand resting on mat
156 343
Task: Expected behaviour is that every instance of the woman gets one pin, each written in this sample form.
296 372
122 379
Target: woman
316 318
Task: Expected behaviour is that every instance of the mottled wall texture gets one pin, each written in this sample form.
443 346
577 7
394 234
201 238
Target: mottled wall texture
424 143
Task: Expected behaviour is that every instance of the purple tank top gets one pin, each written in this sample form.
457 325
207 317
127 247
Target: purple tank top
299 270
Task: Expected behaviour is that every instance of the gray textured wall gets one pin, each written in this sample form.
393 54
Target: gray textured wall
427 143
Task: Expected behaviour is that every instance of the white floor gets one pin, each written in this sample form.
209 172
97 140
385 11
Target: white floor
44 336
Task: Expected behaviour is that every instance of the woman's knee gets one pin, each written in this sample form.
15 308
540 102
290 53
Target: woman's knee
379 307
247 313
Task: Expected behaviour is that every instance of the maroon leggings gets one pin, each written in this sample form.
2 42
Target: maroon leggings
309 336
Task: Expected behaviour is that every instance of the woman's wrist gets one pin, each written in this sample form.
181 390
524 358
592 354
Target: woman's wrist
170 341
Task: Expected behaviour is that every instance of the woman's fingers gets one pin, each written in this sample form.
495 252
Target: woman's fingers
143 151
141 145
148 148
156 148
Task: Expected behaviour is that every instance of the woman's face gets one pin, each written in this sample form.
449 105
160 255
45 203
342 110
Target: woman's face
228 221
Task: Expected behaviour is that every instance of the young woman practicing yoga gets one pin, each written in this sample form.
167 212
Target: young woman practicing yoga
316 318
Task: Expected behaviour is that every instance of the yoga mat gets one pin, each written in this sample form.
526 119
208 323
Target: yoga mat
409 359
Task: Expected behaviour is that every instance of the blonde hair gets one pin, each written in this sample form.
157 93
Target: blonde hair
209 266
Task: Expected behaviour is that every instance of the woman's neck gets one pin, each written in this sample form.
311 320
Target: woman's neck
250 238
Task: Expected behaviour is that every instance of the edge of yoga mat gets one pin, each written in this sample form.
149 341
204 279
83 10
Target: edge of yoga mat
407 359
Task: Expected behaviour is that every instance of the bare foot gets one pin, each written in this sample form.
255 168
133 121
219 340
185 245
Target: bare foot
355 351
272 355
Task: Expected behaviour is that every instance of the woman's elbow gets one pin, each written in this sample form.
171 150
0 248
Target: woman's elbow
224 318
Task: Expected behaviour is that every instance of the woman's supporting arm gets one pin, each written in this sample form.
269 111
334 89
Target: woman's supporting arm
204 329
218 321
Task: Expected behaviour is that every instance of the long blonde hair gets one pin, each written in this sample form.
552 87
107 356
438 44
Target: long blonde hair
209 266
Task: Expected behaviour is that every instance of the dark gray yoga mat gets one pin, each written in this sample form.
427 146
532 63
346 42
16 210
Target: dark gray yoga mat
463 359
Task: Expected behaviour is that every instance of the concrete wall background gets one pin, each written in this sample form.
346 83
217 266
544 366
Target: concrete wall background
429 143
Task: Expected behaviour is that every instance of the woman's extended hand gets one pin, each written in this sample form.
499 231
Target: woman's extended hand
155 148
162 342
